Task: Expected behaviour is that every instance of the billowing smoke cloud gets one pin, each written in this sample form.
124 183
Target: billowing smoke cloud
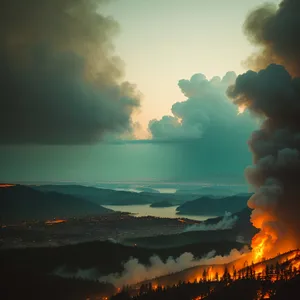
207 111
276 31
135 272
60 82
227 222
274 95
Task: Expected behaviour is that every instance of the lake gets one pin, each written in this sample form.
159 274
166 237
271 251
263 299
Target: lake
162 212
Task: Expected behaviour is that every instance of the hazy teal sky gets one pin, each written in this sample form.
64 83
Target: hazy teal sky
163 41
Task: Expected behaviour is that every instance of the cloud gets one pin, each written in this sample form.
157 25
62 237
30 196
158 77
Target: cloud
206 112
60 82
208 137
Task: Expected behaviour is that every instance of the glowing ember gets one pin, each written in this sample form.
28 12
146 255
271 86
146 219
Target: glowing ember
5 185
181 221
52 222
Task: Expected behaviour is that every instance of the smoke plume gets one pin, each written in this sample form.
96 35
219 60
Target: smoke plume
273 94
227 222
276 31
135 272
60 81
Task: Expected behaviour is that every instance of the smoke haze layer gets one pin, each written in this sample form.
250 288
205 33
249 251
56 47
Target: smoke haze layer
227 222
135 272
60 81
273 94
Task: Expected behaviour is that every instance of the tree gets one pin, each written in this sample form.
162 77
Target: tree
204 274
217 276
226 275
234 273
277 270
267 272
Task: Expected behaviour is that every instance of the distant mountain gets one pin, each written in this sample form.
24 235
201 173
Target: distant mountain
208 191
214 206
23 203
112 197
99 196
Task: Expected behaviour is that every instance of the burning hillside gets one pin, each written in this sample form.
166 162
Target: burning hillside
53 222
236 269
265 276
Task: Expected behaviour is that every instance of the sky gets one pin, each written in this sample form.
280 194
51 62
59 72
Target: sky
65 91
163 41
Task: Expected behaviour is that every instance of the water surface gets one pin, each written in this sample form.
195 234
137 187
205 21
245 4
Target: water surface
162 212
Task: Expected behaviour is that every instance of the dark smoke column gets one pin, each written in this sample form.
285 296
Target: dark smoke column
273 93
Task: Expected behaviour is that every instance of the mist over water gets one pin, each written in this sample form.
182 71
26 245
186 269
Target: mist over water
161 212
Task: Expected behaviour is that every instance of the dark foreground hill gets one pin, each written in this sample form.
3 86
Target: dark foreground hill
19 203
214 206
27 285
29 272
185 238
106 257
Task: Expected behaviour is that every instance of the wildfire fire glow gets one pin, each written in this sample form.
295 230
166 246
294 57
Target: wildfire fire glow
52 222
5 185
258 244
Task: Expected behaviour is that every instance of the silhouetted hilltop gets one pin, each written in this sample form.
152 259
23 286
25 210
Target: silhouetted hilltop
214 206
112 197
24 203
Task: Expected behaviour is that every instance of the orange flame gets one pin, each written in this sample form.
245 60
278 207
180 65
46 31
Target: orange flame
181 220
51 222
259 245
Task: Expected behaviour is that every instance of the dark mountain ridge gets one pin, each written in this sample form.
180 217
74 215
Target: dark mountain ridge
19 203
112 197
214 206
